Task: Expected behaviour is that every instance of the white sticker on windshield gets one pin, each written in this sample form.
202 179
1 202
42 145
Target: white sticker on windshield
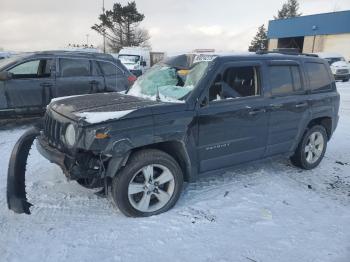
204 58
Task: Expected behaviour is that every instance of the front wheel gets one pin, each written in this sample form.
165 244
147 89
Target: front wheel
311 148
149 184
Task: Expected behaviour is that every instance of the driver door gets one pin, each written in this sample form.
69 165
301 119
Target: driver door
232 124
30 87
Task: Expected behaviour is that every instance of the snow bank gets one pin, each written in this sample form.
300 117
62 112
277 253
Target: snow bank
98 117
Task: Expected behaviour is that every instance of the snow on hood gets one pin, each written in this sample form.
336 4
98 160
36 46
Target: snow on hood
98 117
64 97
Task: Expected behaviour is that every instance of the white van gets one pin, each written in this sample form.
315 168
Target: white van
136 59
340 68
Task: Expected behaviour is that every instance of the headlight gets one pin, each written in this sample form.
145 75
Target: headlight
70 135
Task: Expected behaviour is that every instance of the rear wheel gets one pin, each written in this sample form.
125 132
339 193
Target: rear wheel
311 148
149 184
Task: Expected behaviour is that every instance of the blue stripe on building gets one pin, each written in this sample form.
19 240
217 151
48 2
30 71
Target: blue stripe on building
320 24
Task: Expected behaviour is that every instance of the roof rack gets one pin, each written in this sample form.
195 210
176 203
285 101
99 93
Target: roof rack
284 52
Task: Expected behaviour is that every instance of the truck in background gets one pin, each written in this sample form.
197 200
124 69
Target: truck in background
139 59
339 66
4 55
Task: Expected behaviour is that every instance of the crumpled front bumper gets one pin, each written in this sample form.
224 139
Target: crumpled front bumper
54 156
16 192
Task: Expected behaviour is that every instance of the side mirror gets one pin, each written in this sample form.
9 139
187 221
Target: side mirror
4 75
144 63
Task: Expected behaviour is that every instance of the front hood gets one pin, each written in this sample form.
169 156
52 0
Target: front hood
340 65
97 108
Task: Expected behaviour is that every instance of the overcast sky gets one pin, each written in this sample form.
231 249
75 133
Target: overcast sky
174 25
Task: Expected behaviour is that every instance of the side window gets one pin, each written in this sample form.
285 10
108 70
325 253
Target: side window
318 76
281 81
74 67
110 69
285 80
33 69
236 82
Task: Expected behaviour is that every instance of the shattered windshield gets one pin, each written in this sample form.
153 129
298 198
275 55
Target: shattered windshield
129 59
166 83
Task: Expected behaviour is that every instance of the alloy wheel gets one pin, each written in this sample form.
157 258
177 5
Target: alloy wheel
151 188
314 147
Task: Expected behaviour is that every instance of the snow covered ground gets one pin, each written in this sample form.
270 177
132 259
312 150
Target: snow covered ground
265 211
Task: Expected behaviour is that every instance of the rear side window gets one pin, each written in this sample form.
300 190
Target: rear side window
285 80
110 69
318 76
74 67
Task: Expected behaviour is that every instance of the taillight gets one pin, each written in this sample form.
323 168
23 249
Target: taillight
131 79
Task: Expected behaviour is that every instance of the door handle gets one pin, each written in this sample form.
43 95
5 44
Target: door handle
301 105
256 111
276 106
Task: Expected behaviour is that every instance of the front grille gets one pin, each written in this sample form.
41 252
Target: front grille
52 131
342 71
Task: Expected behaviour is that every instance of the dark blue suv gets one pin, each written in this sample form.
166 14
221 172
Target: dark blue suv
189 115
29 81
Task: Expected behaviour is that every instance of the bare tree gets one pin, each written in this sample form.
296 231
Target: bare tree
121 27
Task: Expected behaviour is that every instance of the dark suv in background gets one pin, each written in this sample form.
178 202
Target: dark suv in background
29 81
187 116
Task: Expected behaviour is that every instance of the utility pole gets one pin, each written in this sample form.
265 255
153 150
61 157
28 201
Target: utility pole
104 33
314 29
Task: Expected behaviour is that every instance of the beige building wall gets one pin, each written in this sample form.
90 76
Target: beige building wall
272 44
337 44
313 44
323 43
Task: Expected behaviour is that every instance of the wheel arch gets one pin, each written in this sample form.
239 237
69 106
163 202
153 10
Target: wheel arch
324 121
177 150
174 148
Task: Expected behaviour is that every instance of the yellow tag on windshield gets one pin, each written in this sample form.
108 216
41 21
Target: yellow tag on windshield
183 72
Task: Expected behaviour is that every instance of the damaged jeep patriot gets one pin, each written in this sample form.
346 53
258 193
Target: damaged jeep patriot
188 115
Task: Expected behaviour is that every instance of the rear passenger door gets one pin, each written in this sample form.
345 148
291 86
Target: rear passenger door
289 106
233 123
322 89
115 77
75 77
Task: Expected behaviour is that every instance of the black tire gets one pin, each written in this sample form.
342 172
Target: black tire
346 80
136 162
299 158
